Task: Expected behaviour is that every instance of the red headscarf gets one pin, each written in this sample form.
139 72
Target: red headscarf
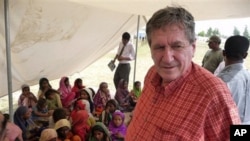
80 126
79 105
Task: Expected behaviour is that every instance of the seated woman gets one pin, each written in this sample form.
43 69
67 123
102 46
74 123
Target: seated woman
27 98
52 101
77 86
66 94
101 98
30 130
44 85
122 96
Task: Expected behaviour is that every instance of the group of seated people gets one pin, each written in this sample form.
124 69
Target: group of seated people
70 113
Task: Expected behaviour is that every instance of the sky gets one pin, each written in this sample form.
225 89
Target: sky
225 27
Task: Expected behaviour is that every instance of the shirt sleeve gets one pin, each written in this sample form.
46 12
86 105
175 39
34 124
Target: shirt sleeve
221 116
119 48
132 51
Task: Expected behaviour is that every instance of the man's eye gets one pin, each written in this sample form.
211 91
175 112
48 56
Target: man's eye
176 46
159 47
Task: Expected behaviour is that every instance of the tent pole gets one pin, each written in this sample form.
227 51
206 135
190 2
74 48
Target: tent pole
136 48
8 57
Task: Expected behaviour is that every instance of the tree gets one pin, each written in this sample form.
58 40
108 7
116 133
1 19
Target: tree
236 31
209 32
246 33
202 34
216 31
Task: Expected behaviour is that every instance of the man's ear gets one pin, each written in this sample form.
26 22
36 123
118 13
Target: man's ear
223 53
245 55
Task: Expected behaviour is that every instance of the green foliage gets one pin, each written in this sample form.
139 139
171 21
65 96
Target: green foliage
212 31
216 31
202 34
246 33
236 31
209 32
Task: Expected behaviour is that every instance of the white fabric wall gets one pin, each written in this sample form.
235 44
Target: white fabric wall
54 38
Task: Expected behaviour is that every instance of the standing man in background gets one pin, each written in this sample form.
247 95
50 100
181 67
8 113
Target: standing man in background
180 100
214 56
125 54
235 76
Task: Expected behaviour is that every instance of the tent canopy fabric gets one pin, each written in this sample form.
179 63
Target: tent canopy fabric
54 38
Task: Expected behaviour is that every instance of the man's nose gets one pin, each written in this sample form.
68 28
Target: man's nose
168 55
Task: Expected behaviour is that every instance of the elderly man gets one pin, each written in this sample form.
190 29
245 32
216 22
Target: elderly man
180 101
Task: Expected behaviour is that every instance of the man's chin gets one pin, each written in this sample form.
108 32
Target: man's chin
168 77
165 71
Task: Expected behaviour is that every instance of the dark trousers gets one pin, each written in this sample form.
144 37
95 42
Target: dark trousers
121 72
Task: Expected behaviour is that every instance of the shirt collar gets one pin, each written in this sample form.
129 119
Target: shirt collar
172 86
236 66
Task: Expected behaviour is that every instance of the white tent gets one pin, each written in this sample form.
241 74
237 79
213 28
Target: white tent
53 38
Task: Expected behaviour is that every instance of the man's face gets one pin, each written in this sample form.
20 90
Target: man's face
124 41
171 52
212 45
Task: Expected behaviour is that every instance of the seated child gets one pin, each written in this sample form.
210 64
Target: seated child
136 89
86 96
27 98
99 132
63 129
110 108
79 105
135 93
59 113
80 125
40 113
48 135
117 126
52 100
